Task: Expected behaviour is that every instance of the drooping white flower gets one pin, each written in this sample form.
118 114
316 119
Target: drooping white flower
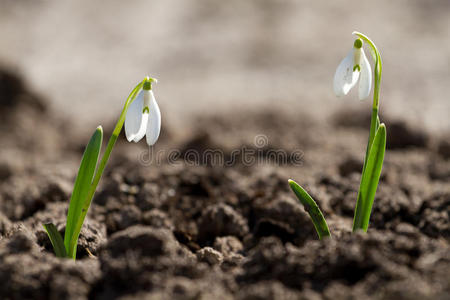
143 116
353 67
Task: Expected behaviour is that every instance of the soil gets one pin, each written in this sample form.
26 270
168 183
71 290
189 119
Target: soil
190 228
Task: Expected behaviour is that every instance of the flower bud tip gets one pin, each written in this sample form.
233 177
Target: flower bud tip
358 43
148 83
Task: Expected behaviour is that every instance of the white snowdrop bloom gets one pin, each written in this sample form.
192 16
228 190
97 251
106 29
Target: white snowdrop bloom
353 67
143 116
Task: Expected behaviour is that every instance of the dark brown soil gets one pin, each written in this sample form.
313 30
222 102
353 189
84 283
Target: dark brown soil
199 229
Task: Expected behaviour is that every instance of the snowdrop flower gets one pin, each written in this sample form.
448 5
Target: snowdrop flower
353 67
143 116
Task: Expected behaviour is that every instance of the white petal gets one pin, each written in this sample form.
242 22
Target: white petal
154 121
133 117
142 128
365 81
345 78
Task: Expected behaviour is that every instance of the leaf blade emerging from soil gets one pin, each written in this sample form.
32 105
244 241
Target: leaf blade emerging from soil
312 208
56 240
369 180
80 191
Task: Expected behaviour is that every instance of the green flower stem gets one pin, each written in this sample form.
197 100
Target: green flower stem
374 123
378 67
102 165
112 140
361 211
376 90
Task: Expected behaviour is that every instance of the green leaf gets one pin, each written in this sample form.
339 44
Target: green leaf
369 180
83 182
312 208
56 240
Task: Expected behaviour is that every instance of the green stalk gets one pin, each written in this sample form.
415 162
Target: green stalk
361 210
374 124
101 168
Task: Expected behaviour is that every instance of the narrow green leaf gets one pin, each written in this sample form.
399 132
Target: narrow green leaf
369 180
80 191
312 208
56 240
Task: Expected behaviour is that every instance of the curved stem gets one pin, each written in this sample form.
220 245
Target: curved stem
112 140
378 66
102 164
376 89
374 124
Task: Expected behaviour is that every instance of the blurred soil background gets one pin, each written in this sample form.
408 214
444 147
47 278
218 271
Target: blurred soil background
212 56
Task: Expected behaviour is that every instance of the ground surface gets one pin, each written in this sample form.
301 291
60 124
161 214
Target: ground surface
196 228
246 97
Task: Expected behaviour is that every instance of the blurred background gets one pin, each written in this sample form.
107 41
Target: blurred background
212 56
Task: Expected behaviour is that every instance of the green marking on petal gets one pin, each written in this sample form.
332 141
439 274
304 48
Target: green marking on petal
357 67
146 110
